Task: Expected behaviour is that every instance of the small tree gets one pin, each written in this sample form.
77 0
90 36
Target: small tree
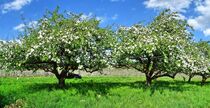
155 49
61 44
197 60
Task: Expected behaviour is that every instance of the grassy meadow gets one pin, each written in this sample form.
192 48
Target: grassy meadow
103 92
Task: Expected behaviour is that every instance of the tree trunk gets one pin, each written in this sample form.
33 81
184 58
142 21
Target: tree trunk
190 77
148 80
189 80
61 82
203 80
61 78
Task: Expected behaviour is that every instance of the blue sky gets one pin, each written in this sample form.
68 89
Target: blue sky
118 12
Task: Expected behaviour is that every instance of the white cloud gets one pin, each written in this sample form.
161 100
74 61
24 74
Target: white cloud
107 18
91 15
3 41
202 21
14 5
198 2
180 16
193 23
22 26
116 0
174 5
33 24
207 32
86 16
202 9
102 19
114 17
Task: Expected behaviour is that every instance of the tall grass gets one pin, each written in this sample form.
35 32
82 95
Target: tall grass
104 92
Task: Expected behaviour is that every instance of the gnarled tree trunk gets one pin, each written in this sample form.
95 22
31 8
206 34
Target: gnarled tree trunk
203 79
61 78
61 82
148 80
190 77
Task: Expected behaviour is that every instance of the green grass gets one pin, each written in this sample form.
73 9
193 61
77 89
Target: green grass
104 92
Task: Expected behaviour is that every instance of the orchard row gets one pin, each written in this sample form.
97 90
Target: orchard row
64 42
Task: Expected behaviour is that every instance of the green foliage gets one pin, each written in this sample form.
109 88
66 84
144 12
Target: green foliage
67 41
60 43
198 58
161 48
104 92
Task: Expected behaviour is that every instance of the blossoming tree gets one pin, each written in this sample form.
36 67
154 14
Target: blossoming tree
155 49
60 44
197 61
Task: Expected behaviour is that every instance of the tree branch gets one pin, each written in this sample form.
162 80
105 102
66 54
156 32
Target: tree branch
171 75
91 71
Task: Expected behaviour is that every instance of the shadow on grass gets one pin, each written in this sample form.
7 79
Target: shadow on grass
104 87
2 103
176 85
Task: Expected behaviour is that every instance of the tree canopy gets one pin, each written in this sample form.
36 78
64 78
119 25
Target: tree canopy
161 48
61 44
